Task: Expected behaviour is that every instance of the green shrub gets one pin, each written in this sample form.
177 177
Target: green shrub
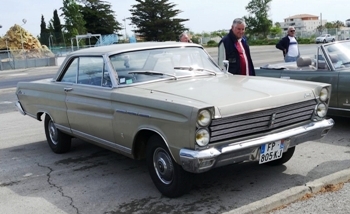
275 41
212 43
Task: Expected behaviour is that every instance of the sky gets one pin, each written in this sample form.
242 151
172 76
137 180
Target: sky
203 15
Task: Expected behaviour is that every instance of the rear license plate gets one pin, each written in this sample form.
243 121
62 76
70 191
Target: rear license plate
271 151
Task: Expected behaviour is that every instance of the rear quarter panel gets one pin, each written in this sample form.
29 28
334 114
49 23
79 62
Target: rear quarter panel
43 96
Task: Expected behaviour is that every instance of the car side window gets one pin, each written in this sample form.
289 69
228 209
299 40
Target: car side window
70 75
90 71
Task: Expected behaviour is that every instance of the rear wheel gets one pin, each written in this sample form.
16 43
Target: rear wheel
169 177
58 141
285 157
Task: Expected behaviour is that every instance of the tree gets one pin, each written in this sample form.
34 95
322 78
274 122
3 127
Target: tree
277 24
44 34
338 24
275 31
329 25
57 27
257 21
154 20
74 21
320 28
334 24
99 17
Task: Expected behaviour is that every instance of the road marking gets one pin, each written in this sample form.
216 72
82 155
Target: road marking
20 74
6 102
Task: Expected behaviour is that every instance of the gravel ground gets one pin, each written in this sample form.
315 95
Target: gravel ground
333 201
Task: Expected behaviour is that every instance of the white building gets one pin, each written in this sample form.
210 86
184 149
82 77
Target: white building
302 22
347 23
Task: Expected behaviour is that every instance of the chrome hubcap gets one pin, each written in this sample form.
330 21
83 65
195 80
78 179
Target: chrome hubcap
163 165
53 132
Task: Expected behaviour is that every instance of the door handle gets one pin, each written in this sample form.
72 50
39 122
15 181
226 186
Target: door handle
68 89
285 77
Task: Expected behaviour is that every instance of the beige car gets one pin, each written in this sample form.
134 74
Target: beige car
170 103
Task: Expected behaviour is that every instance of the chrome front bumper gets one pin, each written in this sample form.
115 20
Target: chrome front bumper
19 107
198 161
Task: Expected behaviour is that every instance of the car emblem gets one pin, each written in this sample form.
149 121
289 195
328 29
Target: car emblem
307 95
272 120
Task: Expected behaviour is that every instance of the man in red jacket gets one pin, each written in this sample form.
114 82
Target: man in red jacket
234 48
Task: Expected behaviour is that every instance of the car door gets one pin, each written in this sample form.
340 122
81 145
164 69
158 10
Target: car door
324 76
344 90
268 72
88 102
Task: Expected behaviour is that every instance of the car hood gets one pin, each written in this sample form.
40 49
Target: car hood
320 37
232 94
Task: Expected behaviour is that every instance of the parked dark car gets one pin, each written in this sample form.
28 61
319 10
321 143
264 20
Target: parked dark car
331 64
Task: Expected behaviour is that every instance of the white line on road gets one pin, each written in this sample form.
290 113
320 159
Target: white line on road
20 74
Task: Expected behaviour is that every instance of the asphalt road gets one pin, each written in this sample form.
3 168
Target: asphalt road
90 179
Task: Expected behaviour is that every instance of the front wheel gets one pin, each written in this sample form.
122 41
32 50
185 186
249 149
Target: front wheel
169 177
324 41
285 157
58 141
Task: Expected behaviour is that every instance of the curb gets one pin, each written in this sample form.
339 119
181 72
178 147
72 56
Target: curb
293 194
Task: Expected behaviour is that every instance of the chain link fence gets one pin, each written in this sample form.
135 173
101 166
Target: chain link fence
19 59
339 34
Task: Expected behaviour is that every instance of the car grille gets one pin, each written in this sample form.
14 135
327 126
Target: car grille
262 121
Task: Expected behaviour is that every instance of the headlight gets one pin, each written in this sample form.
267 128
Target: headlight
204 117
324 94
202 137
321 110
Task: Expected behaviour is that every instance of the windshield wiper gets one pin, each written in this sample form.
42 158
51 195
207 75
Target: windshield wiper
194 69
153 73
345 63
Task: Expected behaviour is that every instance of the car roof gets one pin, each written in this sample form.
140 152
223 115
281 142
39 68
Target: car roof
118 48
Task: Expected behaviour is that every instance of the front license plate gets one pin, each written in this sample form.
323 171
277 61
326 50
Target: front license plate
271 151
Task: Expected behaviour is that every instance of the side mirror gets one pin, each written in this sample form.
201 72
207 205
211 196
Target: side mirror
226 64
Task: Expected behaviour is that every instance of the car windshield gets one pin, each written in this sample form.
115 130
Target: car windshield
339 54
323 35
165 63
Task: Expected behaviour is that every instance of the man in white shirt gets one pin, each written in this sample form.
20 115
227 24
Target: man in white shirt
289 46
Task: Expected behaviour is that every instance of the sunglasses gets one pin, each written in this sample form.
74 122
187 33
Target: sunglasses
292 31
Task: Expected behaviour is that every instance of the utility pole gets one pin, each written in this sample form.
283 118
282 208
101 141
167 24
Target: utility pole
24 22
321 22
125 28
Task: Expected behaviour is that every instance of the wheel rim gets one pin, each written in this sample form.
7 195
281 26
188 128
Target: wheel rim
163 165
52 132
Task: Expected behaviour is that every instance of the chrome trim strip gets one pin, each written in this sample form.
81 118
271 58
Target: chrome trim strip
339 109
103 142
63 128
132 113
196 161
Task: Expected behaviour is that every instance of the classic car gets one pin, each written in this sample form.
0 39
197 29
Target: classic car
170 104
331 64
